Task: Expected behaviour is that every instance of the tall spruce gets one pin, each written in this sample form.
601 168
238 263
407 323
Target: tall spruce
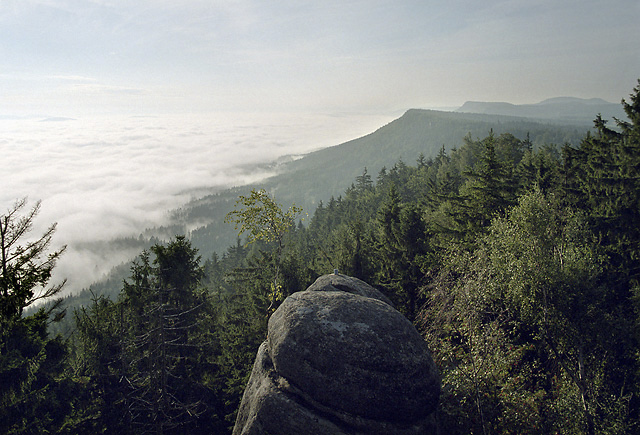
151 352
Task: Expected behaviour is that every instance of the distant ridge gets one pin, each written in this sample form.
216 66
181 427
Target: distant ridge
559 109
328 172
573 100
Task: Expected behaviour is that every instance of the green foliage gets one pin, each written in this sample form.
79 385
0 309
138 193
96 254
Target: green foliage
326 173
31 367
243 327
526 309
401 252
266 221
518 261
260 216
25 274
31 363
150 357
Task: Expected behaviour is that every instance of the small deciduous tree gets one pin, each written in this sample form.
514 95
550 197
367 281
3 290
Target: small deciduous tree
264 219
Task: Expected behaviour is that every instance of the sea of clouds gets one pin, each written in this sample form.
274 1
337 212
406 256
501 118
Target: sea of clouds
106 177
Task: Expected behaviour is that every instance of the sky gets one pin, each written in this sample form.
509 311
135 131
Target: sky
79 57
113 112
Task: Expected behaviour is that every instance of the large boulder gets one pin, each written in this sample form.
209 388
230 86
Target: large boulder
339 359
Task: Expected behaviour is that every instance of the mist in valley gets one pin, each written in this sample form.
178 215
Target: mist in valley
106 181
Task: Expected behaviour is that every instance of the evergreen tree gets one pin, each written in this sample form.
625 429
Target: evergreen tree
364 182
25 274
488 191
99 364
401 252
31 363
152 372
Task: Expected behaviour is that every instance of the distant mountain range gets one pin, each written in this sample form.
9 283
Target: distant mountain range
560 110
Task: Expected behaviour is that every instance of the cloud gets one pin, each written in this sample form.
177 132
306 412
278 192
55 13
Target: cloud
89 90
107 177
72 78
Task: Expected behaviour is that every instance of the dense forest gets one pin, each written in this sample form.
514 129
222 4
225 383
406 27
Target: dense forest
518 264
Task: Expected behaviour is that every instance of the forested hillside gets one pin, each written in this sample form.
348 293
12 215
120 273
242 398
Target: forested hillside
325 173
518 264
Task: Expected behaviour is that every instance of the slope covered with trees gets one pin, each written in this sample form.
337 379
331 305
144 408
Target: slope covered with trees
322 174
325 173
518 264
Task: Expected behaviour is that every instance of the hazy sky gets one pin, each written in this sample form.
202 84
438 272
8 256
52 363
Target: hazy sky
73 57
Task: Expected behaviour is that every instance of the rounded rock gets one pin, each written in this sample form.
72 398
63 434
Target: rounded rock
354 354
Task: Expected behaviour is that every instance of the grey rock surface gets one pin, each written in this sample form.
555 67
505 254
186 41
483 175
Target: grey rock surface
347 284
339 359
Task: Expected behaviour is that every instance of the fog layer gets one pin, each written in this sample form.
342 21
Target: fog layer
103 178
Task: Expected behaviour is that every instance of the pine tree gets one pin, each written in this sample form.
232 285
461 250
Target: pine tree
364 182
602 177
24 274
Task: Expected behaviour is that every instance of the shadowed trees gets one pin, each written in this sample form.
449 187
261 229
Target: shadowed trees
31 363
